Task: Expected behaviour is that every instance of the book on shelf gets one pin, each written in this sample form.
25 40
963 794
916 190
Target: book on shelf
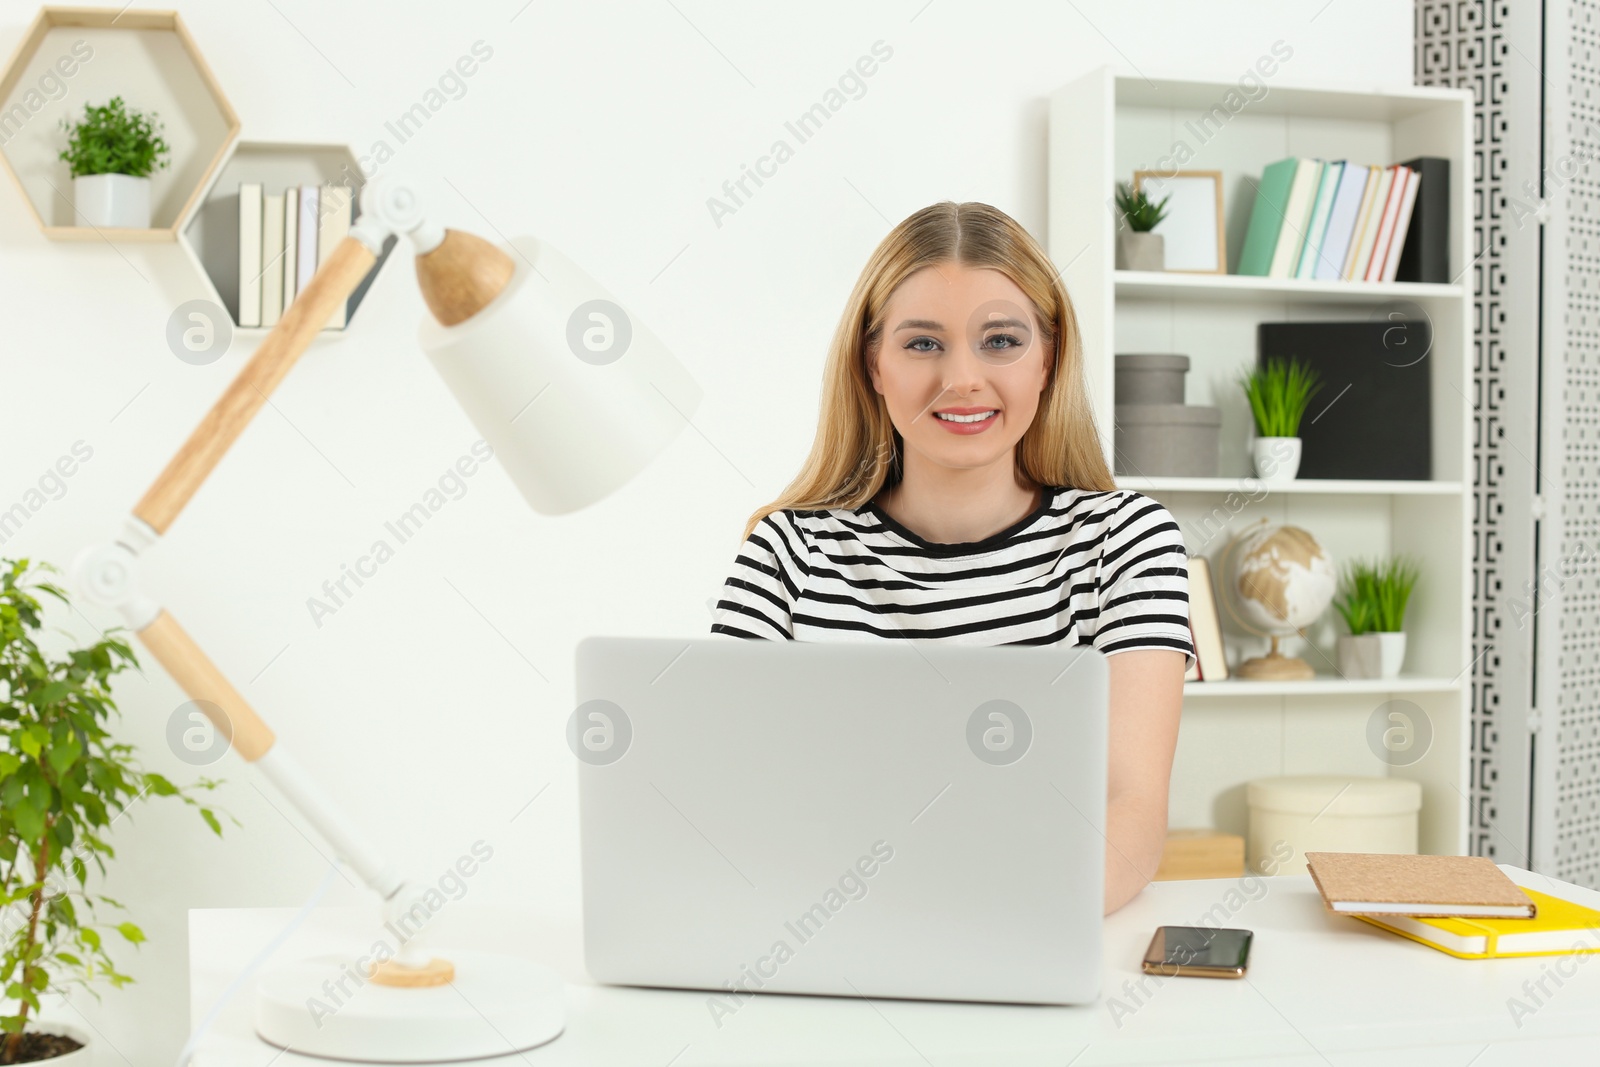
1559 927
1346 220
249 253
1347 203
309 206
335 208
283 239
272 230
291 246
1369 225
1317 227
1205 625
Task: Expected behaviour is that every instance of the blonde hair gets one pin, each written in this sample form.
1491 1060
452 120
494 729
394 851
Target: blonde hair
856 452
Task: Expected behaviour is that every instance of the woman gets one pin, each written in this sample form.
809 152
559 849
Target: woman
957 489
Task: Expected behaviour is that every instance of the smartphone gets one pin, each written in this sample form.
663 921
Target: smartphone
1198 951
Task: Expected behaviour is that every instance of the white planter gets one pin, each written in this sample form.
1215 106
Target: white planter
112 201
83 1057
1276 459
1374 655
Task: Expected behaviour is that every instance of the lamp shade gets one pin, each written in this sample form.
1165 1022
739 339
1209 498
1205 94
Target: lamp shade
574 395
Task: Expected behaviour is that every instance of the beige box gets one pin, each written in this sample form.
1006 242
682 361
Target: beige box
1328 813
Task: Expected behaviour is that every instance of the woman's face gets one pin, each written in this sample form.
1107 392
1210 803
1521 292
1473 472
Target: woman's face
961 365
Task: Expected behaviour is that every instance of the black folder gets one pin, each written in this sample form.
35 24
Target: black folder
1371 418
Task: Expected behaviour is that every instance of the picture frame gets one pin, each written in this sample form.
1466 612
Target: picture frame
1192 231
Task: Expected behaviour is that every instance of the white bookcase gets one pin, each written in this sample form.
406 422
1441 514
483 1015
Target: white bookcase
1103 127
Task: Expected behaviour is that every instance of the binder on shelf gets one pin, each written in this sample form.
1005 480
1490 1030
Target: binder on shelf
1372 417
1426 254
249 254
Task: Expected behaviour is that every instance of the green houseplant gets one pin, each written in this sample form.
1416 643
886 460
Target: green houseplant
1278 394
1137 247
63 781
1372 599
112 151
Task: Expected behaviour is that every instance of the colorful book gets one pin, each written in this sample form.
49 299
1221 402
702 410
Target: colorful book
307 240
271 258
1266 217
1391 213
1458 887
1369 226
1363 214
335 224
291 244
1296 216
1342 220
1561 927
1391 258
1315 230
249 253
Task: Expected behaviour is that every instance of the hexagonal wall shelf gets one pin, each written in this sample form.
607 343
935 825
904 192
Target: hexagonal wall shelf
211 236
70 57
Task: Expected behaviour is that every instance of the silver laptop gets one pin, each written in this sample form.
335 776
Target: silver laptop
885 819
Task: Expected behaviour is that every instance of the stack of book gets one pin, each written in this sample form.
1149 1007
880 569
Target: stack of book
1461 905
1338 220
283 239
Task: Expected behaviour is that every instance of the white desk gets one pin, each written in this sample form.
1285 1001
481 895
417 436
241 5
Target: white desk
1322 990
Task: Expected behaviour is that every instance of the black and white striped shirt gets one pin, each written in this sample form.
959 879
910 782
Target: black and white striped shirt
1103 568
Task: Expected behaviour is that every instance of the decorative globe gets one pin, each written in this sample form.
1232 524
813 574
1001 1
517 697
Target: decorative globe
1281 581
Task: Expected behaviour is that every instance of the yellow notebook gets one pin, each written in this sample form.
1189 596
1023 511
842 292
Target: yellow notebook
1561 927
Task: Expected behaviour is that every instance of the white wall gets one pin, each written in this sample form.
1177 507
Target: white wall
603 128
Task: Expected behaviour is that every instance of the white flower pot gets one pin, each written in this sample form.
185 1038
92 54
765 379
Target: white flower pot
83 1057
112 201
1276 459
1374 655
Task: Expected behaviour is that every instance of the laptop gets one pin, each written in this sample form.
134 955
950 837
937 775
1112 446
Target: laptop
914 819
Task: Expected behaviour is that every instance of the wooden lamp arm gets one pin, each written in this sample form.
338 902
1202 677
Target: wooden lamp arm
333 283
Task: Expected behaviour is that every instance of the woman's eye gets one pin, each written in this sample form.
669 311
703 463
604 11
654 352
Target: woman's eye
917 341
1010 341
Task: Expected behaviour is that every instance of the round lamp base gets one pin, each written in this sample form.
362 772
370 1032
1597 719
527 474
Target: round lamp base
325 1006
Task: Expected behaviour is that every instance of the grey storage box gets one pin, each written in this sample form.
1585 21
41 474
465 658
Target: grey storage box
1150 378
1167 440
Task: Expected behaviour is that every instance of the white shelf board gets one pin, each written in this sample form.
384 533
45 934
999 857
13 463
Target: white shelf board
1322 684
1245 483
1174 285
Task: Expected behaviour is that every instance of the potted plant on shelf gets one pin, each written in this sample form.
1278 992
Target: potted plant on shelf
1278 395
1373 603
63 781
112 151
1137 247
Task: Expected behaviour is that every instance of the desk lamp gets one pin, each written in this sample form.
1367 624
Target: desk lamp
575 398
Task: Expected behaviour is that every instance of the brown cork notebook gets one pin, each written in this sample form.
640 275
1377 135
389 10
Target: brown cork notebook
1363 883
